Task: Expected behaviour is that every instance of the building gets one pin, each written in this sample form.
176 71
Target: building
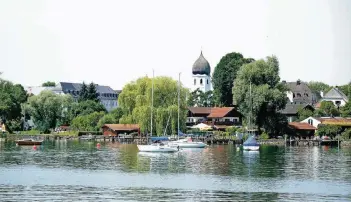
338 121
215 116
201 74
116 129
336 96
300 93
107 96
302 130
36 90
291 110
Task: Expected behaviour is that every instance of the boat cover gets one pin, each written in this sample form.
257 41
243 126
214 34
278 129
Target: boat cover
153 139
251 141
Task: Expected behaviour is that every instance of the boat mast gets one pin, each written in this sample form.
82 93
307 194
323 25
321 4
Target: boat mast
178 101
152 97
249 126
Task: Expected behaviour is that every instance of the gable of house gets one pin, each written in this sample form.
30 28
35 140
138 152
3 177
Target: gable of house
335 93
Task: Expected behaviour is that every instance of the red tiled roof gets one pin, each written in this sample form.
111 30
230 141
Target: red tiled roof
219 112
126 127
200 110
301 126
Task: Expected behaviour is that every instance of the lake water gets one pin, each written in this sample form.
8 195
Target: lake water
73 170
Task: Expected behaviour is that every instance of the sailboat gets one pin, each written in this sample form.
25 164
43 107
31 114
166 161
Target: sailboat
251 144
155 147
187 142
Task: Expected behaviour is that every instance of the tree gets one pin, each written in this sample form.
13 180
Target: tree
83 93
346 89
318 87
304 114
200 99
328 130
12 96
346 109
224 75
47 109
135 102
111 118
84 108
328 108
267 97
87 122
49 84
91 94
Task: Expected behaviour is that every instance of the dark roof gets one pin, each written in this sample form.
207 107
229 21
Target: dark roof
299 87
301 126
219 112
294 108
201 66
66 86
335 93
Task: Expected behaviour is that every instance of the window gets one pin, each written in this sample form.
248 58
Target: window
201 81
207 81
310 121
298 95
194 81
227 120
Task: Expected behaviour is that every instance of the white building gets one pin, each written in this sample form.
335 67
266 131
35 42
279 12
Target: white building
201 74
336 96
107 96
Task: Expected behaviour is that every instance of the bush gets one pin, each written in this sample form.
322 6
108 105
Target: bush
264 136
231 130
346 135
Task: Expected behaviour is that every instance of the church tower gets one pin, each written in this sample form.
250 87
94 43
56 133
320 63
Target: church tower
201 75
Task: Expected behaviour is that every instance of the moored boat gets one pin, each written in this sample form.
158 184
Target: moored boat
28 142
157 147
187 143
251 144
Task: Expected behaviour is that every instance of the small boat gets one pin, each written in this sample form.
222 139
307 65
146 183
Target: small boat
157 147
29 142
187 143
251 144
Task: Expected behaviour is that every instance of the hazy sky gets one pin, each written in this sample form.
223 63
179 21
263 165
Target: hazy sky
114 42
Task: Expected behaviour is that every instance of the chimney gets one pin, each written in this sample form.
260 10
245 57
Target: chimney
298 82
284 82
322 94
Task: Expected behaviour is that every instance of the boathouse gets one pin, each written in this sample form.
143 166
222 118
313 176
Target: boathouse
116 129
302 130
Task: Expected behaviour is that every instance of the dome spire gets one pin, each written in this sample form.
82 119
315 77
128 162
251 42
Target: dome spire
201 65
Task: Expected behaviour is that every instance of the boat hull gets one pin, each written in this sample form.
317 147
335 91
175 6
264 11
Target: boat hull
188 144
251 148
28 143
156 148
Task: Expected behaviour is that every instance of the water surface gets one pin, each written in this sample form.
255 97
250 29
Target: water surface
73 170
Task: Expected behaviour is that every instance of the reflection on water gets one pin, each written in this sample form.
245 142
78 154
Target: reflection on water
72 170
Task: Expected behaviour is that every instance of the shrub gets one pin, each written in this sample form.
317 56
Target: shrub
264 136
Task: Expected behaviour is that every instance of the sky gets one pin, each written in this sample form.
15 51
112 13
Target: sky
115 42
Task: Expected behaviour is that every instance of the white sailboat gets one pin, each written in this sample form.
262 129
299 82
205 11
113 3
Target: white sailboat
187 142
251 144
155 147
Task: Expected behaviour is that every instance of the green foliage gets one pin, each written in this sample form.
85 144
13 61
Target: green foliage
317 87
329 130
231 130
346 89
224 75
83 93
92 95
264 136
107 119
85 108
268 94
49 84
48 109
346 109
304 114
346 135
135 102
11 98
327 108
87 122
200 99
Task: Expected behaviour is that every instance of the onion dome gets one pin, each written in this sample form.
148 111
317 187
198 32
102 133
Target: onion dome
201 66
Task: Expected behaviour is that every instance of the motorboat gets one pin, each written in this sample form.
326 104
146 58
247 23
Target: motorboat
28 142
187 143
251 144
157 147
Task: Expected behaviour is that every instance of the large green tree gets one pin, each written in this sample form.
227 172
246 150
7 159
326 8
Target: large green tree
317 87
135 102
200 99
87 122
48 109
12 96
267 94
92 94
223 76
327 108
49 84
83 93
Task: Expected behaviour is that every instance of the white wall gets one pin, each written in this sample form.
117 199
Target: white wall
312 120
342 101
289 94
204 87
